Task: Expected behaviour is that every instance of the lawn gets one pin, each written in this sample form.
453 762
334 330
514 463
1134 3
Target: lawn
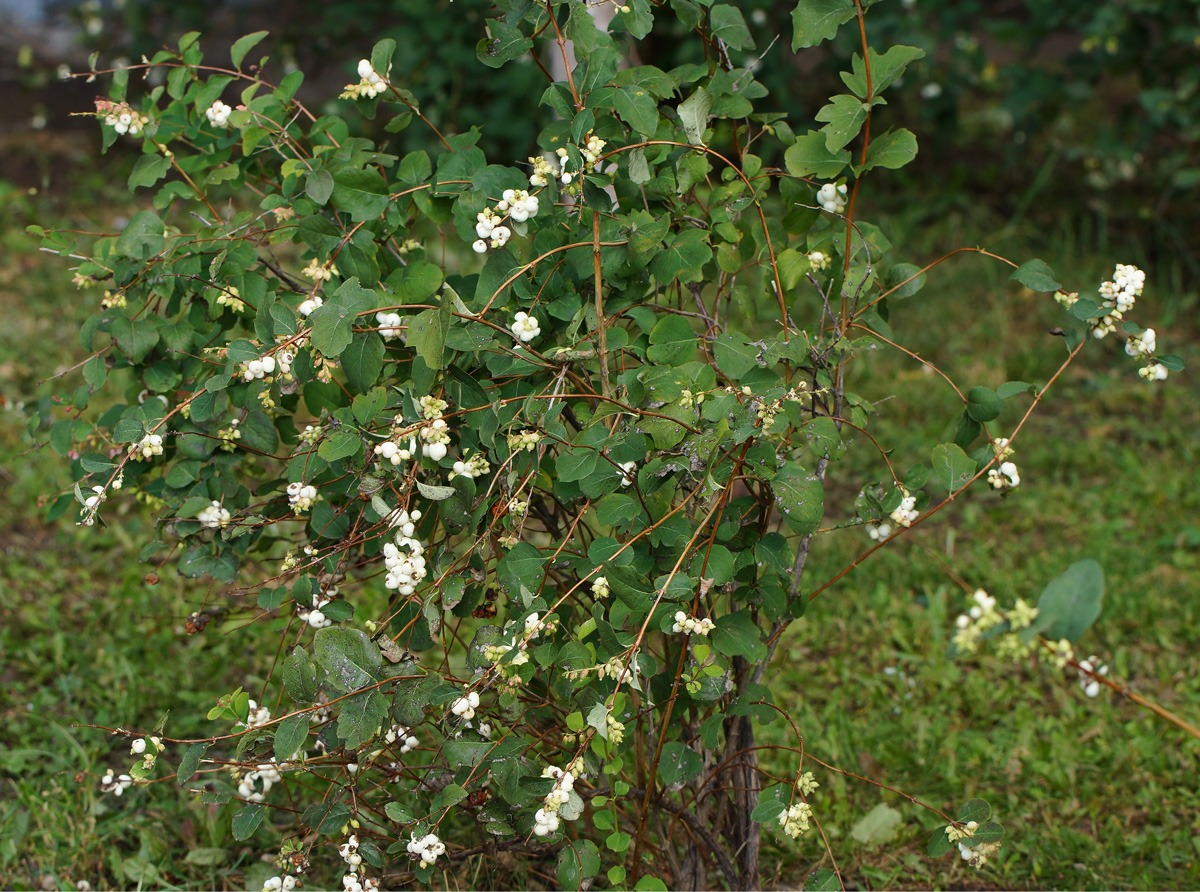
1094 793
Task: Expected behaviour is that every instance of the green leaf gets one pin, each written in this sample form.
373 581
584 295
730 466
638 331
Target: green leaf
734 354
361 718
290 736
1035 275
339 444
143 237
361 193
1069 604
414 169
189 762
737 634
649 883
523 564
258 433
1012 388
885 69
810 155
332 329
369 404
966 430
989 832
792 265
436 493
633 104
983 404
824 438
149 170
95 463
319 186
679 763
952 467
206 856
468 753
815 21
427 335
908 273
399 813
135 337
326 818
246 821
800 497
504 43
729 25
348 656
939 843
362 361
683 258
893 150
576 462
672 341
578 862
1171 361
878 826
450 795
976 810
639 168
768 809
824 880
381 56
693 114
845 115
243 45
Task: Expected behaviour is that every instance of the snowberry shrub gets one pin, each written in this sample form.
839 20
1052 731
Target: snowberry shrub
522 460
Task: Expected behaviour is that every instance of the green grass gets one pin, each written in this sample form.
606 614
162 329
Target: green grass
1094 793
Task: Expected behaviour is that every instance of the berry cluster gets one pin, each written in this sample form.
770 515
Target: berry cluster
525 327
389 325
405 563
313 615
285 883
214 516
906 512
231 297
832 197
470 466
146 448
121 117
464 707
218 114
301 496
514 204
319 272
1004 477
370 83
427 848
255 369
117 785
388 450
1088 669
689 625
1117 298
526 440
400 734
546 819
266 774
794 821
